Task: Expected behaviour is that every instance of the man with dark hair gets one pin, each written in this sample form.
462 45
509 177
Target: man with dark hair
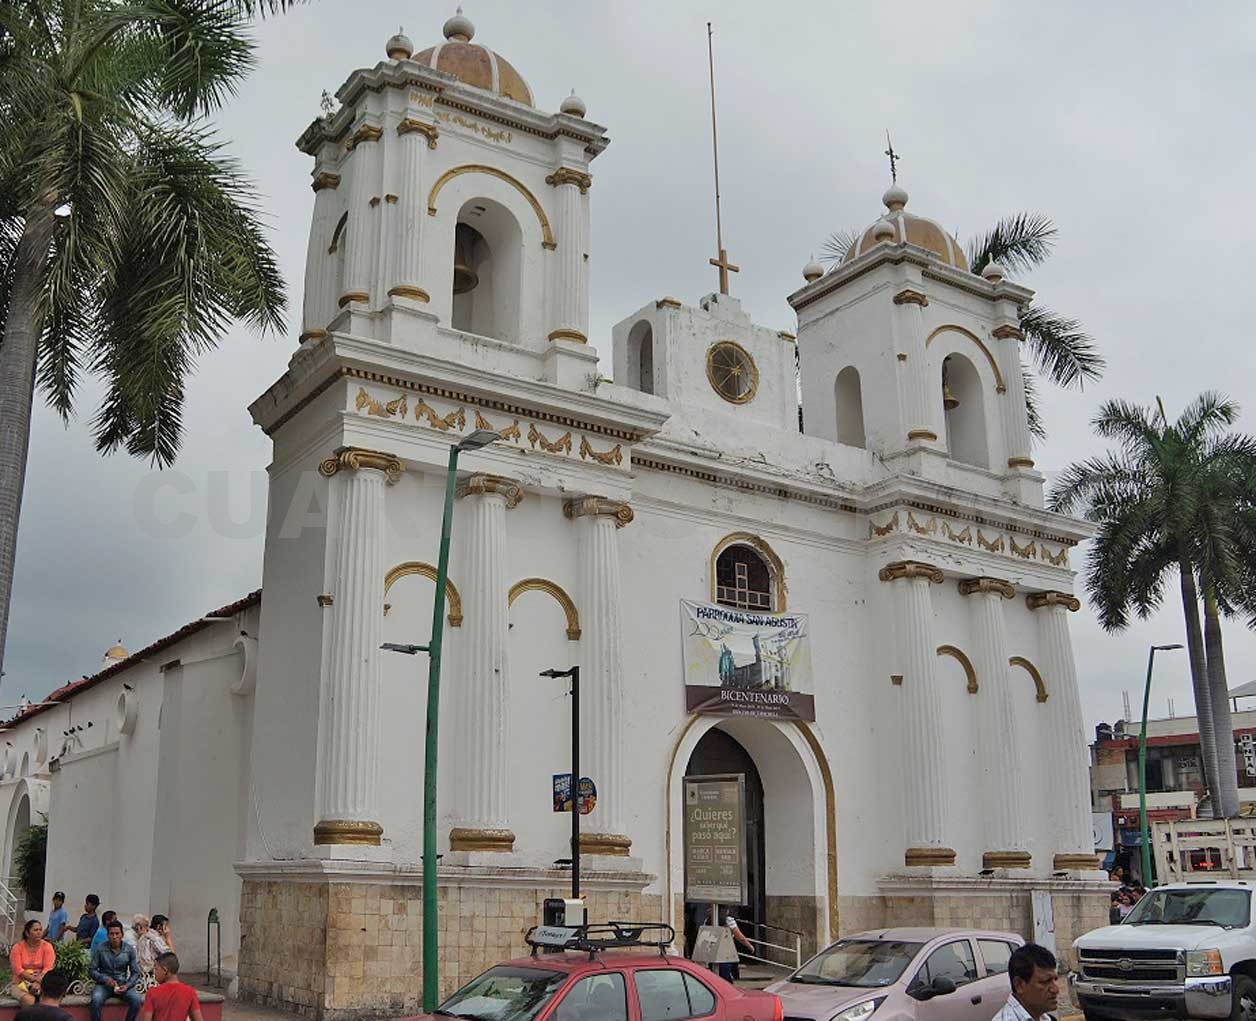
52 988
102 933
1035 985
170 999
115 970
88 923
57 920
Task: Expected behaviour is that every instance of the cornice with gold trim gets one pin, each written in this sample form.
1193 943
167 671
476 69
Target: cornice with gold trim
357 458
972 586
1037 600
410 126
911 569
482 484
566 175
598 506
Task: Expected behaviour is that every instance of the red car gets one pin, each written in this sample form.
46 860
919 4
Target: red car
594 978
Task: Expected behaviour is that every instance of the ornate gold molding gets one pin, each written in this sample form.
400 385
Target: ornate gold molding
366 133
1039 685
410 126
930 529
776 566
565 175
311 335
467 838
547 236
1088 862
407 291
1000 386
994 545
1024 552
456 418
922 434
1037 600
1057 559
350 296
478 485
1007 332
908 296
575 335
562 445
1020 462
1006 860
965 536
613 456
880 531
348 831
557 593
379 409
605 843
969 586
325 179
356 458
910 569
928 856
957 654
509 432
452 599
598 506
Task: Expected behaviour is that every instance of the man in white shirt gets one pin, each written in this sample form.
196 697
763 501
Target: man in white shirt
1035 985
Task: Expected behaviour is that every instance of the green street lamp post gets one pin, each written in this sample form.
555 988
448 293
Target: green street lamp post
1145 836
431 979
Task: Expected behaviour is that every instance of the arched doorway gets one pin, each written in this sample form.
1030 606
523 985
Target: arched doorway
719 753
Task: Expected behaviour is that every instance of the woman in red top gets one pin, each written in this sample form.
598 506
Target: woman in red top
30 959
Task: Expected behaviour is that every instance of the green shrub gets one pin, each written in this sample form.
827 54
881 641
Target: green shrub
72 960
28 865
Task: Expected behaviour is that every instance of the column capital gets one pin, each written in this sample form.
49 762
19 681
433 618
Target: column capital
482 484
910 296
969 586
598 506
409 125
356 458
910 569
1037 600
325 179
1007 332
565 175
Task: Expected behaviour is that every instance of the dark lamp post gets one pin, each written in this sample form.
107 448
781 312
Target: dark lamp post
574 674
1142 764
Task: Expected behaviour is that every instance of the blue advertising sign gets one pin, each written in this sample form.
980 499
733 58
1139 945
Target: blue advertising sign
562 793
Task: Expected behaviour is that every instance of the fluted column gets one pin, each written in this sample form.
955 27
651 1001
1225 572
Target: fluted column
1015 415
348 734
481 696
1066 731
569 302
413 138
318 305
363 225
998 750
924 791
601 668
908 319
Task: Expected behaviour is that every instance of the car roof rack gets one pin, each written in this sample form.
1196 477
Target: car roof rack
598 936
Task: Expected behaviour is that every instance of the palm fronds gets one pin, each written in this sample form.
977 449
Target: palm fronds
1019 242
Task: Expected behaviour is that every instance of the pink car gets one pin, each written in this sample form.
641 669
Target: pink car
908 974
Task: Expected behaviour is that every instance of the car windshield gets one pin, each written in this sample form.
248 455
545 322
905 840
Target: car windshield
1204 906
504 994
859 962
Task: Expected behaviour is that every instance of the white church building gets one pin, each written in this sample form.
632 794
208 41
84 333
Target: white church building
940 774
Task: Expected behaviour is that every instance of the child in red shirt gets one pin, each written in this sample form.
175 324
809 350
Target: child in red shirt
170 999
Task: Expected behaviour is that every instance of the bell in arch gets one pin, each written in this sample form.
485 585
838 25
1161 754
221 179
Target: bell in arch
465 277
949 401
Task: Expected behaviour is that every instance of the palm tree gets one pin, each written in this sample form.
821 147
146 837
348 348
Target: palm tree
128 239
1174 497
1060 349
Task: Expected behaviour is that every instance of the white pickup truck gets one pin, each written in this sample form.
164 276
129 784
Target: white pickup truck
1187 950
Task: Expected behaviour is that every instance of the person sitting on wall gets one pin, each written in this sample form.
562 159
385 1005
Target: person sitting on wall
101 934
115 971
31 958
170 999
88 923
57 918
53 987
139 926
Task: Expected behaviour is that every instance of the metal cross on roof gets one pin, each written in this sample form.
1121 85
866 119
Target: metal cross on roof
894 158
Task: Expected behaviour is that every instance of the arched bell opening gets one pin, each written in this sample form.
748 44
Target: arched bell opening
487 258
963 404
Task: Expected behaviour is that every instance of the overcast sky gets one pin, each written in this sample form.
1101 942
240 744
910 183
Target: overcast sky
1129 124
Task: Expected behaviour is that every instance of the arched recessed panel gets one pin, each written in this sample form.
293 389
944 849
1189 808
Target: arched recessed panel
559 595
547 236
994 366
641 357
487 258
774 564
964 661
963 402
428 571
1033 672
850 416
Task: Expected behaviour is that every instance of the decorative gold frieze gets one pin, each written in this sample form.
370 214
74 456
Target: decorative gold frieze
1006 860
1024 552
993 545
325 179
356 458
565 175
957 654
350 296
348 831
510 432
1059 559
922 434
477 485
562 445
966 536
928 856
466 838
598 506
368 403
407 291
908 296
613 456
492 134
575 335
969 586
930 529
880 531
366 133
456 418
1007 332
409 126
911 569
1037 600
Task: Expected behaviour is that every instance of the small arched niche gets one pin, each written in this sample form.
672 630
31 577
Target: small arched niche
641 357
964 406
336 253
488 267
850 418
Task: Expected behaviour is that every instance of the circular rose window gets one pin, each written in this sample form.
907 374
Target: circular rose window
732 372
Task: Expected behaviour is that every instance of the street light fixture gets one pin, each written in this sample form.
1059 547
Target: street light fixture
1145 838
431 980
574 674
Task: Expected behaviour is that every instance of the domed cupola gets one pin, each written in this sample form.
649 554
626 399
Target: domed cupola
476 65
898 225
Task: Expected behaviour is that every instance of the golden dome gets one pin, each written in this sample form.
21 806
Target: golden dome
116 653
474 64
915 230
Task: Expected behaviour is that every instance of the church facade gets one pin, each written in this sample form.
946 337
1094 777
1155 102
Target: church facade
940 775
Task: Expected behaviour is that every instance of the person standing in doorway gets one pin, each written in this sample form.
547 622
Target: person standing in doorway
170 999
88 923
49 1006
115 971
57 918
1035 985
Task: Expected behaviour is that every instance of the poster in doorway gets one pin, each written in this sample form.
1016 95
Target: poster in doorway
715 839
742 663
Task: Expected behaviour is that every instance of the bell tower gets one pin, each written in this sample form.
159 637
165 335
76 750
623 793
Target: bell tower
450 212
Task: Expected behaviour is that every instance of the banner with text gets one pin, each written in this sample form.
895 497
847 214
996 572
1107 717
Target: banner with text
715 839
743 663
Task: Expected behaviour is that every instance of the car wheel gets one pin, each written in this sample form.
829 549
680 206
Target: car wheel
1244 1005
